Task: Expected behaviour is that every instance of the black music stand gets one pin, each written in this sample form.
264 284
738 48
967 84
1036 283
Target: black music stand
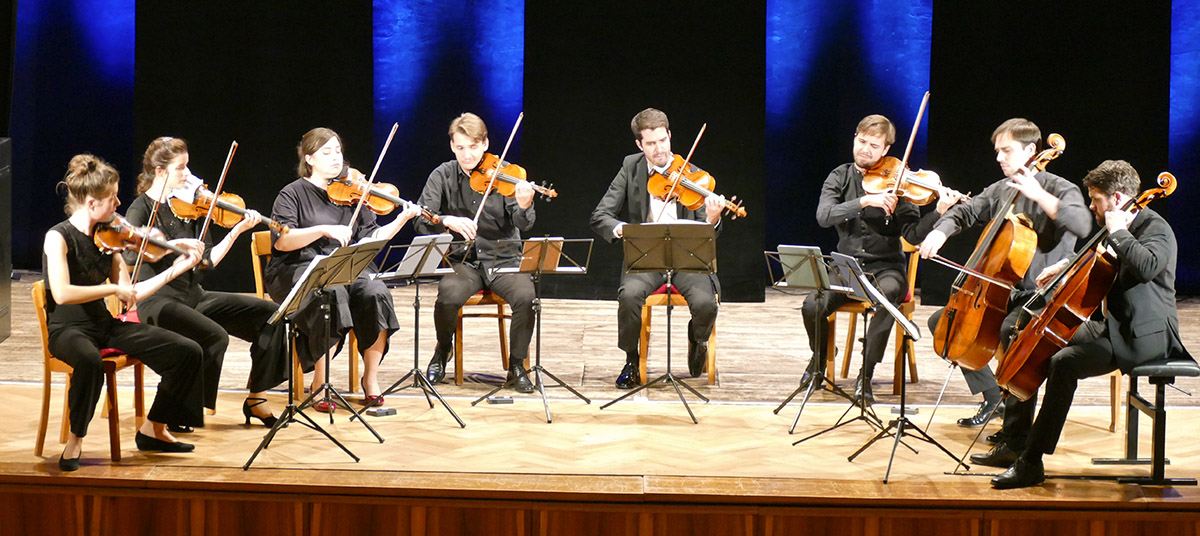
804 268
341 267
912 333
670 248
541 256
425 257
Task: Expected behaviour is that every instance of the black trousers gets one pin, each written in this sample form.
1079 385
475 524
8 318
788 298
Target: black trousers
209 318
698 289
517 289
364 306
174 357
1089 354
820 304
984 379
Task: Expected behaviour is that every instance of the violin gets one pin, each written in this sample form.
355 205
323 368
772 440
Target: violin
968 333
506 180
1070 298
689 187
194 201
920 187
118 235
381 198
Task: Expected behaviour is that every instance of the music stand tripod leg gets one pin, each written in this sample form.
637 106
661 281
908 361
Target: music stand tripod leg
419 381
327 388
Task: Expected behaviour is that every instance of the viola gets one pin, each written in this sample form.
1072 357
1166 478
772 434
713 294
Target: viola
968 332
118 235
381 198
689 186
509 176
1071 298
920 187
195 200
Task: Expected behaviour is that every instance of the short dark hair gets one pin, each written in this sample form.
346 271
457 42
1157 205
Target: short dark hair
876 125
648 119
1022 130
1113 176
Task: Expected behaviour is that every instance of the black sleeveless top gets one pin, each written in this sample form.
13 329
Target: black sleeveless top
86 265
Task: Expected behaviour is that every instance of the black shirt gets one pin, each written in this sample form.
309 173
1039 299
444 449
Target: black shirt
86 265
174 228
448 192
302 204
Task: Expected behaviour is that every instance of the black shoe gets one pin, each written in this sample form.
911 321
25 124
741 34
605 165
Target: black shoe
697 357
180 429
437 366
268 421
522 385
812 372
1022 474
998 437
1001 455
147 443
981 416
69 464
630 376
862 391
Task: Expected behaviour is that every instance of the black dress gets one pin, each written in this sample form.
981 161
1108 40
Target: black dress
364 306
77 332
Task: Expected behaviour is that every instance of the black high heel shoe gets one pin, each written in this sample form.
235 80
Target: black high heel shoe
268 421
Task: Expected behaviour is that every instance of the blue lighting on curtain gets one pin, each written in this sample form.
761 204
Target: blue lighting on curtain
1183 137
107 30
897 35
499 56
795 30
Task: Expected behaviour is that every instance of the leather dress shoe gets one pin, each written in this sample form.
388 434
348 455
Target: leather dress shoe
630 376
981 416
147 443
998 437
697 357
1001 455
522 385
1022 474
862 391
436 372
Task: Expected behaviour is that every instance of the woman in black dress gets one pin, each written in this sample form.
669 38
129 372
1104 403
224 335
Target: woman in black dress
186 308
79 323
318 226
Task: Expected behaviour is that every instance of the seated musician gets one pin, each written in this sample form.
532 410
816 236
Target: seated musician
873 239
627 200
1140 323
1058 215
448 192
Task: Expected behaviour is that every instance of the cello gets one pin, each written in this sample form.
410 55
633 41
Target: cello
1071 298
968 332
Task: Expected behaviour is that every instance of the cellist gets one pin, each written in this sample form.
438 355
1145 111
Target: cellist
1056 210
1140 324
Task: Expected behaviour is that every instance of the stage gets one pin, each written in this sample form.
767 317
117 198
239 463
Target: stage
640 466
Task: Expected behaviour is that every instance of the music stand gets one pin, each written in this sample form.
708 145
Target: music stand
912 333
804 268
541 256
424 257
341 267
670 248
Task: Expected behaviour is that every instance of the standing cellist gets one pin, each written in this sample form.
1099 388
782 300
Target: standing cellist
1055 211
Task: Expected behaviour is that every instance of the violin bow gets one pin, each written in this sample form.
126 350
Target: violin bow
371 180
675 183
499 163
137 265
908 150
217 192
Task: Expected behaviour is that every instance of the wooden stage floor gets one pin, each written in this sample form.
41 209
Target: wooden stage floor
640 466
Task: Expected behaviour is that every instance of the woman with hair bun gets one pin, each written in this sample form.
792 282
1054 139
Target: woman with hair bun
78 278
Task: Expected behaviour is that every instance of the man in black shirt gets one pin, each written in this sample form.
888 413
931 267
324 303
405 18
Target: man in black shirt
448 192
869 228
627 200
1054 206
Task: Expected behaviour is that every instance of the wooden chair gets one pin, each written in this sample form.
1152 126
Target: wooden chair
481 298
904 352
113 360
260 253
660 298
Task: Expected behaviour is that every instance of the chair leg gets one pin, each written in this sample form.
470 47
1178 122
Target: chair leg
644 342
355 372
114 414
458 349
830 347
504 338
44 421
851 331
1114 388
711 365
297 378
65 425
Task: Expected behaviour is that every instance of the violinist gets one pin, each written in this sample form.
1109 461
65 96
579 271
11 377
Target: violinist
448 192
1140 324
78 276
869 228
185 307
628 201
319 226
1056 210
